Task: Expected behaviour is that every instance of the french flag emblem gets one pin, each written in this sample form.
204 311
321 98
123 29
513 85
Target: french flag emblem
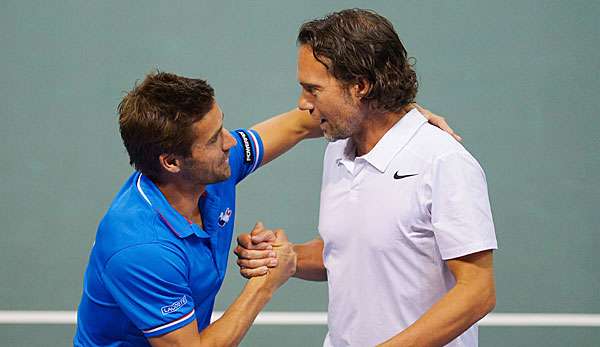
224 217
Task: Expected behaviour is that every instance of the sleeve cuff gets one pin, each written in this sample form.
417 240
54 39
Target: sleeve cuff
461 251
171 326
258 149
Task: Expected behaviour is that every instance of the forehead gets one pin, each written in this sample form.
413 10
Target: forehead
211 122
310 70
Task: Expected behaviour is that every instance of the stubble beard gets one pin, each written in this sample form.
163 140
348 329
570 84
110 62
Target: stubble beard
198 175
348 128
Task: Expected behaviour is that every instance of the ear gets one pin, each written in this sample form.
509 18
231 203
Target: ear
361 88
170 162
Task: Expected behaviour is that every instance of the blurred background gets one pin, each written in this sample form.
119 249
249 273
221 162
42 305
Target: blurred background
519 80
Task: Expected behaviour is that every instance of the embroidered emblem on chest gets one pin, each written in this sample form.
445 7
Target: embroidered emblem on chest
224 217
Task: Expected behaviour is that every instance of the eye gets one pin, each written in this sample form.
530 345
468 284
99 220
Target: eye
311 90
214 139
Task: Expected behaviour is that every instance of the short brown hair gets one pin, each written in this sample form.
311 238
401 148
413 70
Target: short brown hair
362 45
156 117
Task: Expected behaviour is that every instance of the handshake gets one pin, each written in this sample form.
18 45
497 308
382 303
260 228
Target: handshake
266 252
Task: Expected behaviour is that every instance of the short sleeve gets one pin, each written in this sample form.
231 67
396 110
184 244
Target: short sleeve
149 283
460 208
247 155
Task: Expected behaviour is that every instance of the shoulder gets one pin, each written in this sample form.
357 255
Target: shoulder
435 149
122 228
432 145
155 256
431 142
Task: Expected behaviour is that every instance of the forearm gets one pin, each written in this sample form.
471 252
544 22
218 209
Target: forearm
299 122
310 264
471 299
282 132
447 319
237 319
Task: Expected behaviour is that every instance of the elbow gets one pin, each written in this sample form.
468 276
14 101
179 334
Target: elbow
488 301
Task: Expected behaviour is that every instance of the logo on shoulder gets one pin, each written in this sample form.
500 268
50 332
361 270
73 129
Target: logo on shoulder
224 217
174 307
248 156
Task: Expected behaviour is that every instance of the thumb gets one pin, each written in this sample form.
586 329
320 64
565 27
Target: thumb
280 238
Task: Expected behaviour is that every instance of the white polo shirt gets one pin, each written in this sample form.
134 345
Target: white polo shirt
389 219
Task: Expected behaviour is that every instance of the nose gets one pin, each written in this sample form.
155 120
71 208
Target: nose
304 104
228 141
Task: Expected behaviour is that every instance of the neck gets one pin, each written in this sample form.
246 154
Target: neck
184 197
372 129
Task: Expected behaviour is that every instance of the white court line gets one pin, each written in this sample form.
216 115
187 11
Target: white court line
320 318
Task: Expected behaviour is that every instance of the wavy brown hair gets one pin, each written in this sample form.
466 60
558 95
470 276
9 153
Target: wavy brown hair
156 117
361 45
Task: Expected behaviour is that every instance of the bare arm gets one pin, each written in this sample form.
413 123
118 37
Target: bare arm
237 319
227 330
471 299
310 261
283 131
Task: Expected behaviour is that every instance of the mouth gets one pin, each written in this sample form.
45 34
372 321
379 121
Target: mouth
323 120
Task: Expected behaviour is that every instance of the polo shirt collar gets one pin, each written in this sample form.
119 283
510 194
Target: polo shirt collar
172 219
390 144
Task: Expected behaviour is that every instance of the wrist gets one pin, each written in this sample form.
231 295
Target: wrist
296 259
262 287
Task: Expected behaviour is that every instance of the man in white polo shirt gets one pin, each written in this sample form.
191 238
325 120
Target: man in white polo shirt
405 222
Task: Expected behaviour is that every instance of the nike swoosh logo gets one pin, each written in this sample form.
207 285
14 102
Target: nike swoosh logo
396 176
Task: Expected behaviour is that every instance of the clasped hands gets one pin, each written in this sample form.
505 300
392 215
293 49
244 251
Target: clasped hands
264 251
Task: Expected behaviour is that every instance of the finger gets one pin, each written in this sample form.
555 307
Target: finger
262 246
421 109
249 273
441 123
264 236
258 227
438 121
280 238
256 263
244 240
243 253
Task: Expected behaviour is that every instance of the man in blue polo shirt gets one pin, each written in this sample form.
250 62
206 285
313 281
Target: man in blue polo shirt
160 253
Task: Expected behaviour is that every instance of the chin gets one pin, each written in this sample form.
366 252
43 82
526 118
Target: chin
334 137
329 138
225 175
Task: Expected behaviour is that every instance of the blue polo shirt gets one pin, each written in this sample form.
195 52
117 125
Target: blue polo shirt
150 270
